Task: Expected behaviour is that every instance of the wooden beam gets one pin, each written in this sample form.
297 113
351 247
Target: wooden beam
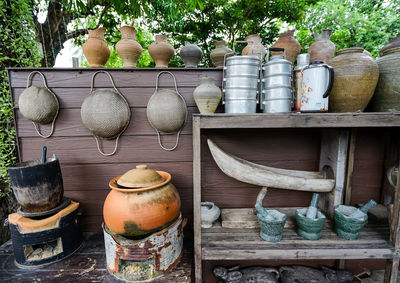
333 155
300 120
197 198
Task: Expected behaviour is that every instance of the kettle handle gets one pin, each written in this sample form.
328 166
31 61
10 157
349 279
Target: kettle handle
331 74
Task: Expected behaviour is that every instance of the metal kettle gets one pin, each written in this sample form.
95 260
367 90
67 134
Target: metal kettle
316 86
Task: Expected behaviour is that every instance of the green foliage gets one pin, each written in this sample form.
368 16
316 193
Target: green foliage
230 20
18 49
366 23
143 37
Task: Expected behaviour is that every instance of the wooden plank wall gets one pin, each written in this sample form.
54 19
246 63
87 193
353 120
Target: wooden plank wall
86 173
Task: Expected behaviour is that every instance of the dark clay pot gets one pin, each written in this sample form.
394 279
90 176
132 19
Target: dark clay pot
37 187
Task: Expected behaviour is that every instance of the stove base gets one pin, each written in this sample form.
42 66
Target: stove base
38 243
145 259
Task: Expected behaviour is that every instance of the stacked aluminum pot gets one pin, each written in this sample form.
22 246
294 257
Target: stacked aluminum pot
277 84
241 79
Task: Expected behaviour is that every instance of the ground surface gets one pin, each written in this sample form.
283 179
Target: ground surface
86 265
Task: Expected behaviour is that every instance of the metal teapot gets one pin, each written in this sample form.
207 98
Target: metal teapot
316 86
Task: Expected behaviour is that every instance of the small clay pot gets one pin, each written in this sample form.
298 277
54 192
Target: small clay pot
309 228
346 227
254 47
191 55
322 49
217 55
95 48
207 96
161 51
209 213
128 48
291 45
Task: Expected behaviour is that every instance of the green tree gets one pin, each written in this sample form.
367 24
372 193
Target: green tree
230 20
89 14
17 49
366 23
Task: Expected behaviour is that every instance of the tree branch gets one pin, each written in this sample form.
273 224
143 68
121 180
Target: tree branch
77 33
84 31
106 7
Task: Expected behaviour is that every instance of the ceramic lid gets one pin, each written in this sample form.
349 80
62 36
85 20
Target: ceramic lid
140 177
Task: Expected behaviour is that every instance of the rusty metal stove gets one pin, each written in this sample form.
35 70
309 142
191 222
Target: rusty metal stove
144 259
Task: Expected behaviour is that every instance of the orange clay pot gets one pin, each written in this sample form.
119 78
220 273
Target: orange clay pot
143 202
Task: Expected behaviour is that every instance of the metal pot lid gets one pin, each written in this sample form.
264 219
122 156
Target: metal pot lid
315 64
140 177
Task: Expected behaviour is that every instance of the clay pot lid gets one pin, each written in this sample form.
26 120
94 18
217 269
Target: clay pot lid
140 177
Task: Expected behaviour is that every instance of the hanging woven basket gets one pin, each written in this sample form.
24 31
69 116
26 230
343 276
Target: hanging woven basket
167 111
105 113
39 104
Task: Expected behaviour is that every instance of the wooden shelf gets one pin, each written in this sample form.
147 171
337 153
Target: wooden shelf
375 242
299 120
241 244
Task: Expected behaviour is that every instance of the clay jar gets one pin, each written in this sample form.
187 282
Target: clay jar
95 48
217 55
291 45
207 96
161 51
142 201
356 76
128 48
387 93
254 47
322 49
191 55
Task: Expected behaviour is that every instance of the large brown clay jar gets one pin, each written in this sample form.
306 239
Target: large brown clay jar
161 51
356 76
95 48
322 49
142 201
128 48
387 92
291 45
217 55
254 47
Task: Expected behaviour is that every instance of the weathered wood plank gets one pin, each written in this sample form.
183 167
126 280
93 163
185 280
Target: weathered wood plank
73 150
300 120
69 124
197 199
92 201
296 253
70 97
265 144
334 157
245 197
96 176
122 78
